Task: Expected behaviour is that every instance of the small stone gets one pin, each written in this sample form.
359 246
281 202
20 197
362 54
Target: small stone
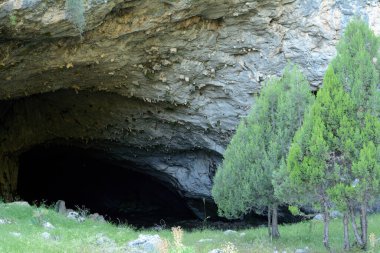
15 234
318 217
216 251
60 207
46 235
157 67
48 225
205 240
75 216
102 239
230 232
187 79
165 62
96 217
146 243
4 221
335 214
173 50
20 203
305 250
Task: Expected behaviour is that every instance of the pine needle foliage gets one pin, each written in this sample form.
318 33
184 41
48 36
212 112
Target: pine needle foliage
244 182
335 156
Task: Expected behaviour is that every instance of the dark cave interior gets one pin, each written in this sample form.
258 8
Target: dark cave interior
77 176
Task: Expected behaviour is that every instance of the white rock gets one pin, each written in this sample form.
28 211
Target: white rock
4 221
103 239
46 235
20 203
205 240
242 234
147 243
230 232
75 216
318 217
48 225
335 214
216 251
16 234
305 250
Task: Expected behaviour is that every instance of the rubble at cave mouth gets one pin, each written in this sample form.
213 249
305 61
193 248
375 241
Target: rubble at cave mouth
78 176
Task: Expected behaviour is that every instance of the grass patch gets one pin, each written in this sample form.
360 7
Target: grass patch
23 233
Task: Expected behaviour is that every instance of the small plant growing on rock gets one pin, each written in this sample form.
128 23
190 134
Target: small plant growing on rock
75 13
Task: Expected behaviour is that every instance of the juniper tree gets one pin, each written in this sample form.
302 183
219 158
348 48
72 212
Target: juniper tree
244 182
311 163
328 151
356 66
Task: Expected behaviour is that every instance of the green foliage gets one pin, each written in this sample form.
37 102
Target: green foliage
344 119
75 12
244 182
334 158
13 20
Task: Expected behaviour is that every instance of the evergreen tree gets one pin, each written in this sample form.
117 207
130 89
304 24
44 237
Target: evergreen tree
311 163
326 160
357 67
244 182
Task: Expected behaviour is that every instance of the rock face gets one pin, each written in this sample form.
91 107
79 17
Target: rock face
159 83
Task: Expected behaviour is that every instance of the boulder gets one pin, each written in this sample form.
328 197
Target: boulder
146 243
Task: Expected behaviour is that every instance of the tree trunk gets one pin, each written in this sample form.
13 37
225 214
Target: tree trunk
275 231
364 223
346 245
269 222
8 177
326 221
358 238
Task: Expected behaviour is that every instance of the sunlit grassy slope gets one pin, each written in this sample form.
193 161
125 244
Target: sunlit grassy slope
24 234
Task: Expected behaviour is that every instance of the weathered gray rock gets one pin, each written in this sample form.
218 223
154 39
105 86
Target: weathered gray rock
75 216
230 232
216 251
96 217
305 250
60 207
146 243
4 221
46 235
162 85
48 225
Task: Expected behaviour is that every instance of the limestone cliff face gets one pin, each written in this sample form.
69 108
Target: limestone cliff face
159 83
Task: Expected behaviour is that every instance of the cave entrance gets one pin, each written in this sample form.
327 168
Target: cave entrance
80 178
